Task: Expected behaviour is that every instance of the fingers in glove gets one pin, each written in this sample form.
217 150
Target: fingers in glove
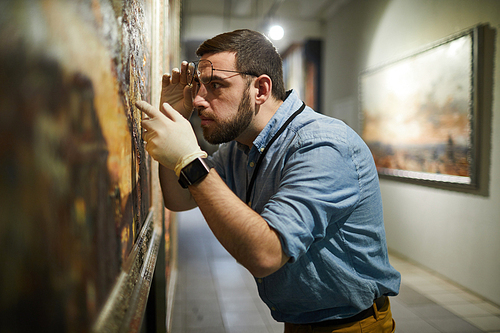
176 76
147 135
146 125
165 80
171 113
189 95
147 108
183 75
152 113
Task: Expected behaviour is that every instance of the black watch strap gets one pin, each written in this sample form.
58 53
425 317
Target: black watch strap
193 172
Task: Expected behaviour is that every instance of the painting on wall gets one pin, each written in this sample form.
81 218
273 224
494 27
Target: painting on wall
419 113
78 191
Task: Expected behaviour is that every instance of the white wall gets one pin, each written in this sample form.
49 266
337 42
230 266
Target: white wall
453 233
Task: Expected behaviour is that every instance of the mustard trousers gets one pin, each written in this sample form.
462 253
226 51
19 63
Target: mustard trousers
380 322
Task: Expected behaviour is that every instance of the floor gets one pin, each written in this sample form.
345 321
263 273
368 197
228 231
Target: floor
215 294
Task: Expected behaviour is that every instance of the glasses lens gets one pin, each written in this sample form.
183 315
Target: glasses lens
205 71
191 72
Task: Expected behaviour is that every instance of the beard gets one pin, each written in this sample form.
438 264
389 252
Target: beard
229 130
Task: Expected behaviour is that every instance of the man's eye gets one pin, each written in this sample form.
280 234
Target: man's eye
215 85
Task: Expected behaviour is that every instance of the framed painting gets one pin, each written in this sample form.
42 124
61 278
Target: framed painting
419 113
87 244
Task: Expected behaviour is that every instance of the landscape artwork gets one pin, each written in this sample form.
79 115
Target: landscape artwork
418 113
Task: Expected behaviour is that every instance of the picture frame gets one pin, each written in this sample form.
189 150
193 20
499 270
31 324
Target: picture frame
419 113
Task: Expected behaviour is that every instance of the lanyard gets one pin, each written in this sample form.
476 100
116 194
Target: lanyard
261 158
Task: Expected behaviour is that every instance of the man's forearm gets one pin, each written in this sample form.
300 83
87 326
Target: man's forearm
175 197
242 232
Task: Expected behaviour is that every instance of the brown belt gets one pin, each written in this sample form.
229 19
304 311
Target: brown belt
360 316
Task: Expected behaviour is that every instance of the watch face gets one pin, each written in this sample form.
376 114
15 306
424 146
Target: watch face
195 171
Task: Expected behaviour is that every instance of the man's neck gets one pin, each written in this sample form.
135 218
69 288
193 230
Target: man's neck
263 115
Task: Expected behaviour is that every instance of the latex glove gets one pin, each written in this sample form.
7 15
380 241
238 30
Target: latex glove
169 137
176 92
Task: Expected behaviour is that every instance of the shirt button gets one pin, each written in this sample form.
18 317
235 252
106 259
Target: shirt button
262 149
252 164
259 280
273 308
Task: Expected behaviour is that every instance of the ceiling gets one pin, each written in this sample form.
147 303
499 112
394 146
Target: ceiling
305 9
301 19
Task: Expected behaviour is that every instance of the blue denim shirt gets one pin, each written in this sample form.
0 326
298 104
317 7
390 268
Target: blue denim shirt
318 188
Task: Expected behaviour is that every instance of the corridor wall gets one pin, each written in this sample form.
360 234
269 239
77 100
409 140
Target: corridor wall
454 233
82 215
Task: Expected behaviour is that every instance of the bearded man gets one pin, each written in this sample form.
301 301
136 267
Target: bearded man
291 194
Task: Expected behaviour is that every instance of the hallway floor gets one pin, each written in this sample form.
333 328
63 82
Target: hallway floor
215 294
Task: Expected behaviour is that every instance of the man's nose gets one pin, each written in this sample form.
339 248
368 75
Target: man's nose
199 97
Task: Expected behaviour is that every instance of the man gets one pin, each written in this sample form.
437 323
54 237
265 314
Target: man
291 194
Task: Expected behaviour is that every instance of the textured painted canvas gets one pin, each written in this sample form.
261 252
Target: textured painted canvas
76 184
418 113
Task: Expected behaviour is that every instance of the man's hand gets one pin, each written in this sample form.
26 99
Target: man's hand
176 91
169 136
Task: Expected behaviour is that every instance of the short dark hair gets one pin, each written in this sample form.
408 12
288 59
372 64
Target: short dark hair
255 54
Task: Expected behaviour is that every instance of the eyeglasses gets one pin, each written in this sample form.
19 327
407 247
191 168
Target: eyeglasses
203 71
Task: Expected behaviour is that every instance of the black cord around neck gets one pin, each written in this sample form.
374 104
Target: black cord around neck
261 158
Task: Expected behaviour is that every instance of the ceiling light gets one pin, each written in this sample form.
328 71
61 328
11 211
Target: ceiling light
276 32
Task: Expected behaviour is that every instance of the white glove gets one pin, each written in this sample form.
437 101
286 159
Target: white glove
169 137
176 92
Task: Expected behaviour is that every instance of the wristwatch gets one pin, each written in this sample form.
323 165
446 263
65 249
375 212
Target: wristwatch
193 172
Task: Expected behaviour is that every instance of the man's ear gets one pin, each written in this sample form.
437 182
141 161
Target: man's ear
263 85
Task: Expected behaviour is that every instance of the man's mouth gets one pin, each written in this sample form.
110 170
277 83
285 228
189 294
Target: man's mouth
205 121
